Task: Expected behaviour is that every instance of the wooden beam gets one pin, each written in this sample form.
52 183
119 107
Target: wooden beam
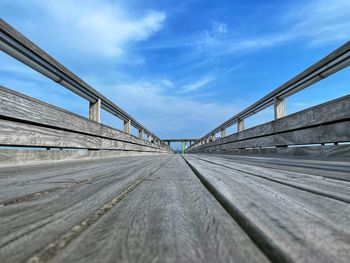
141 134
279 108
127 126
95 111
240 125
223 133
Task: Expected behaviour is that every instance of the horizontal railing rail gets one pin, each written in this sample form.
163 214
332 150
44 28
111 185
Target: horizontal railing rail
31 123
332 63
180 140
313 131
18 46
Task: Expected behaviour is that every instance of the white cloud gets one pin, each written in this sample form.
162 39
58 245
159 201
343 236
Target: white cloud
169 115
93 27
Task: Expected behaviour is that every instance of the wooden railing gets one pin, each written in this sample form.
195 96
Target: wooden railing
318 131
18 46
335 61
30 123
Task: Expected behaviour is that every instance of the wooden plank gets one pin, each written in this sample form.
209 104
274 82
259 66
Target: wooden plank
299 226
170 217
284 128
334 132
331 111
338 189
325 151
21 134
41 203
23 108
11 157
19 106
336 169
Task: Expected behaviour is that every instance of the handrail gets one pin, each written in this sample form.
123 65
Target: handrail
330 64
18 46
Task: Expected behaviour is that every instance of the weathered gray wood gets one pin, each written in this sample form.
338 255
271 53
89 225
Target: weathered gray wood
73 131
299 224
335 132
329 168
21 107
10 157
127 126
21 134
171 217
240 125
95 110
314 125
337 189
279 108
41 203
325 151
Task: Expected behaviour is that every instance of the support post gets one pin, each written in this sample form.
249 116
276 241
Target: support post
183 147
280 108
141 134
223 133
240 125
169 143
149 137
127 126
95 111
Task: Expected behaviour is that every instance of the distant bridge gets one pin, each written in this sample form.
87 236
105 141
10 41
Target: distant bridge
276 192
182 141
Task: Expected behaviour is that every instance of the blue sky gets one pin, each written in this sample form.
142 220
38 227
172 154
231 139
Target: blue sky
180 68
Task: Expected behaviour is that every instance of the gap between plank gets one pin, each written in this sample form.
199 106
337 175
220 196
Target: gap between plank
53 248
271 251
330 196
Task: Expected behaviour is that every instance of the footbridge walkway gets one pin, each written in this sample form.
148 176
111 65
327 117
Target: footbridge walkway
75 190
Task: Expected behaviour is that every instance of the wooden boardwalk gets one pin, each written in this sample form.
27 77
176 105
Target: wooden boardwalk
75 190
166 208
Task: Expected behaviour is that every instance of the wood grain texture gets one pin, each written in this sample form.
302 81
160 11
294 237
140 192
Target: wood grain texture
304 218
30 122
40 203
9 157
171 217
328 122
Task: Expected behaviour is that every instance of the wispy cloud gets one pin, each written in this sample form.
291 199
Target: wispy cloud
210 77
316 22
198 83
169 115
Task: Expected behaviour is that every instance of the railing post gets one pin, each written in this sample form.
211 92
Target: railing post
127 126
95 111
149 137
141 134
280 108
240 125
223 133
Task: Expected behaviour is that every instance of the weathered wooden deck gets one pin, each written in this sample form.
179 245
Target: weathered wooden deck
75 190
219 208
